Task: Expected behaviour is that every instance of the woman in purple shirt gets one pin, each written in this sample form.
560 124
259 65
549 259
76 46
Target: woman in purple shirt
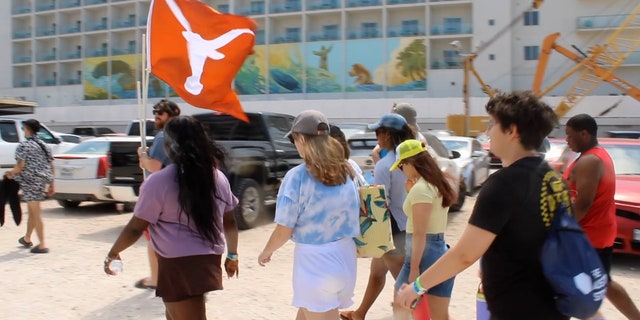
188 209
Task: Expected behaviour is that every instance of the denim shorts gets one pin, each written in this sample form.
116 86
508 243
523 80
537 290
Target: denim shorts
434 249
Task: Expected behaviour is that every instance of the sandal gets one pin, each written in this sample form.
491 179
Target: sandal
24 243
140 284
37 249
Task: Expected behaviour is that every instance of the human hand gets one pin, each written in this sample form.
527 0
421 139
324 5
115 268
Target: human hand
50 191
142 150
107 262
406 296
231 267
264 258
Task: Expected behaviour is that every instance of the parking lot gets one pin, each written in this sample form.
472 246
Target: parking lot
69 283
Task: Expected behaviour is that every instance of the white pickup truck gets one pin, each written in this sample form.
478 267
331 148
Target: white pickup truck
11 135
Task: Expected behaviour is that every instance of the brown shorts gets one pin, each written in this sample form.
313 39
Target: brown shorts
185 277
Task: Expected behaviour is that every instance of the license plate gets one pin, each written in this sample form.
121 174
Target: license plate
636 234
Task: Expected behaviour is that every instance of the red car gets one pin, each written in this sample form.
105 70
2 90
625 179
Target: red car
625 154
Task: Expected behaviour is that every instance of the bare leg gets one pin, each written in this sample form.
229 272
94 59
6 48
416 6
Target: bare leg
308 315
377 279
35 222
438 307
189 309
393 263
621 300
153 266
30 225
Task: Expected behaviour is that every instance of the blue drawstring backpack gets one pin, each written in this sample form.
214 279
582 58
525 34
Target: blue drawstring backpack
569 262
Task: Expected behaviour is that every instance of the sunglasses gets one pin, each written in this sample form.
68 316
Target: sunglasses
400 165
158 112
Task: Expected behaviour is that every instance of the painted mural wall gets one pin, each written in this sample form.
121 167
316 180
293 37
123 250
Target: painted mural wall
393 64
116 77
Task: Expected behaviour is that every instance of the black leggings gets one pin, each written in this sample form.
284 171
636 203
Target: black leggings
9 193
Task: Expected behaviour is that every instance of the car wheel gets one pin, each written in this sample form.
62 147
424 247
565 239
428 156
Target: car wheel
462 196
68 203
251 203
129 206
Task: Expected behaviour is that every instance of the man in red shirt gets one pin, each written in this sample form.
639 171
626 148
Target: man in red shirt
592 183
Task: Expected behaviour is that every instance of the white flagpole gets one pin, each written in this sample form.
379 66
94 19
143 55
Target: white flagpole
144 93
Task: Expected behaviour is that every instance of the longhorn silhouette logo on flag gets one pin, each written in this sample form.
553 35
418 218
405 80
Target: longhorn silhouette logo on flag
198 51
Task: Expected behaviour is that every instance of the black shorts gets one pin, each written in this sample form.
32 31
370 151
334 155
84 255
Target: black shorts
185 277
399 238
606 254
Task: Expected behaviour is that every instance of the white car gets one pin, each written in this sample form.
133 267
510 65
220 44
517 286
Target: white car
82 173
474 160
362 144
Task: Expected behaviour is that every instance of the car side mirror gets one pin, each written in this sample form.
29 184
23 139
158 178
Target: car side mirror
56 140
455 154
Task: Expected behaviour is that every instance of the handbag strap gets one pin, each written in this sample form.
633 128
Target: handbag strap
43 147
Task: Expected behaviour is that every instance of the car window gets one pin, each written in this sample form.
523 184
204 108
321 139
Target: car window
225 127
278 128
150 128
8 131
70 138
437 146
475 144
625 158
90 147
102 131
458 145
46 136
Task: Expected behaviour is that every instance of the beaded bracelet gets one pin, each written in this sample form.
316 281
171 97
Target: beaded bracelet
232 257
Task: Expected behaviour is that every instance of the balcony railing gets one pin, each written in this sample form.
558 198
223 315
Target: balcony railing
323 36
143 20
70 29
45 6
47 57
45 32
223 8
463 28
400 31
446 64
22 59
71 55
406 1
601 22
22 34
96 26
97 53
47 82
23 84
250 10
21 9
289 6
92 2
364 33
121 51
286 39
72 81
69 4
322 4
125 23
363 3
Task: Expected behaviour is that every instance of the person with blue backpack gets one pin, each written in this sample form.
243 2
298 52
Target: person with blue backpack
506 227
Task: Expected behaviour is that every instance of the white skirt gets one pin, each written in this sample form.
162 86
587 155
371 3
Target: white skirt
324 276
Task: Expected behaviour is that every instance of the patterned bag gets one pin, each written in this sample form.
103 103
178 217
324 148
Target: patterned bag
375 223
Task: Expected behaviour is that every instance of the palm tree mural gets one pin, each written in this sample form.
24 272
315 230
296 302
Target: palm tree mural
412 60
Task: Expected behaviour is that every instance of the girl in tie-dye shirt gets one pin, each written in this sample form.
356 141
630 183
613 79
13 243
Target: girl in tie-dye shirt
317 208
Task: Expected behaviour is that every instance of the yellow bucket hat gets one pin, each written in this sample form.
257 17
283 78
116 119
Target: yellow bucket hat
407 149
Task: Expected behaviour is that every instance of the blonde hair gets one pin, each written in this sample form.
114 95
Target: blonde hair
324 158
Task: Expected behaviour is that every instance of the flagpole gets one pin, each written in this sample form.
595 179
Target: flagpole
144 93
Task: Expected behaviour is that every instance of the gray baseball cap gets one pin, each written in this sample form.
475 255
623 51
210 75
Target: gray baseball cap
310 122
407 111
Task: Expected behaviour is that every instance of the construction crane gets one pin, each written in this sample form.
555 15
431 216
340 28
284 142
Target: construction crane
467 65
596 67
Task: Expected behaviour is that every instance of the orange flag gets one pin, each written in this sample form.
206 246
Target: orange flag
198 51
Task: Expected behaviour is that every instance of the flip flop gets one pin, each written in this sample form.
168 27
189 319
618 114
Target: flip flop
37 249
24 243
140 285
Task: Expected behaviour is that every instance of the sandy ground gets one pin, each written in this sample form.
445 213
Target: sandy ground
69 283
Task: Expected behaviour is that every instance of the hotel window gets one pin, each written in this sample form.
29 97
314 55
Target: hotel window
531 18
531 52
